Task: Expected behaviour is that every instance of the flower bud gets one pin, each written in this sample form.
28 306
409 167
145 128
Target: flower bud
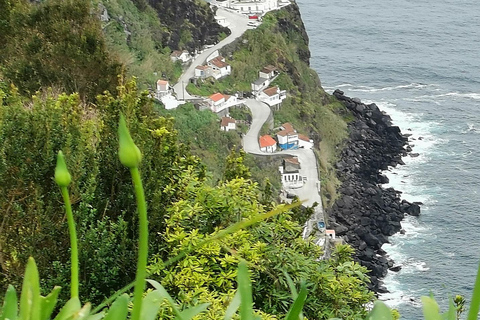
62 176
128 152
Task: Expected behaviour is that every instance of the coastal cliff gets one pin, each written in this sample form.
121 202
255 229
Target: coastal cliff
366 213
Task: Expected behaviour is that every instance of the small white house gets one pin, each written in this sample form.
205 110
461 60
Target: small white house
216 101
287 137
259 84
220 67
269 72
249 6
290 171
184 56
267 144
272 96
203 72
304 142
163 88
330 233
228 124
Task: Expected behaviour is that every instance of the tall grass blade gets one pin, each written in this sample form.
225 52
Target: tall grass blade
291 285
48 303
119 309
295 312
193 311
245 289
10 308
431 311
30 296
69 309
380 311
475 304
83 313
451 314
233 306
151 305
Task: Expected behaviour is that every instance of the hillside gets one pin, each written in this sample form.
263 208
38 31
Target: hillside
185 204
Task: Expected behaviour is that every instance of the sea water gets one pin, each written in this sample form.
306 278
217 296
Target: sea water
420 62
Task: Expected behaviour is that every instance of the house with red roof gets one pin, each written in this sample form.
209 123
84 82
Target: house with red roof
219 67
265 77
163 88
203 72
272 96
269 72
287 137
182 56
219 102
304 141
267 144
228 124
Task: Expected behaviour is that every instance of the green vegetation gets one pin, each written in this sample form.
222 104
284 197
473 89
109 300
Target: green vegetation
209 86
280 41
209 221
184 211
55 44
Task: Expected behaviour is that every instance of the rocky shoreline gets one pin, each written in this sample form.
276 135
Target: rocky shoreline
366 214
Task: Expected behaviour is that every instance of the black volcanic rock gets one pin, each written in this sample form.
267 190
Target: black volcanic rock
366 213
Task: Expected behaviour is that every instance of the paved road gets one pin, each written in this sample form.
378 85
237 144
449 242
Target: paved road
238 25
309 192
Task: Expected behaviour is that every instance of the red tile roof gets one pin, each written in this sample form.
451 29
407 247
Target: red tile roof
226 121
303 137
288 127
202 67
216 97
176 53
162 82
292 160
269 69
219 64
271 91
266 141
287 130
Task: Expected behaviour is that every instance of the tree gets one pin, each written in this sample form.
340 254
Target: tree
235 166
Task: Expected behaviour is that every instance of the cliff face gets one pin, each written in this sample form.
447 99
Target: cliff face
187 24
366 214
291 24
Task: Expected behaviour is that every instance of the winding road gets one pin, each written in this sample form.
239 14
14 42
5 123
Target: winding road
310 192
238 25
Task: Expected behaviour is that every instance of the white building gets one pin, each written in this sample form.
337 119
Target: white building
228 124
220 67
272 96
287 137
269 72
304 142
163 88
290 171
184 56
219 102
250 6
267 144
265 77
203 72
259 84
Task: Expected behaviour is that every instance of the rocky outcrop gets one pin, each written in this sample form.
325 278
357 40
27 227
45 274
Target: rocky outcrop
366 214
187 24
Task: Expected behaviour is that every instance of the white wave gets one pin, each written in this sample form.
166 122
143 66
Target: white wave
392 88
453 95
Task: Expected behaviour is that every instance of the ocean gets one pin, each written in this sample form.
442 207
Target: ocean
420 62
